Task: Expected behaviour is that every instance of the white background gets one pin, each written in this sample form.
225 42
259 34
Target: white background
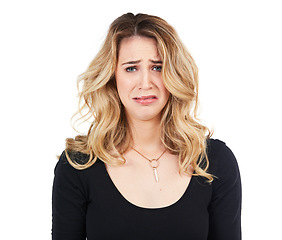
45 45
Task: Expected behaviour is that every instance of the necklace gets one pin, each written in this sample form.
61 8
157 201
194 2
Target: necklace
153 163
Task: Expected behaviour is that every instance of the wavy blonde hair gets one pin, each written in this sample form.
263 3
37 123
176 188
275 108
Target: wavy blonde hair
109 134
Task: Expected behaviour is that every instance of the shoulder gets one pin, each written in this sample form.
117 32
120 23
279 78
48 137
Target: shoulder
69 180
223 163
64 169
63 166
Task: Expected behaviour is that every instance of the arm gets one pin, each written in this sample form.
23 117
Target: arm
68 203
225 205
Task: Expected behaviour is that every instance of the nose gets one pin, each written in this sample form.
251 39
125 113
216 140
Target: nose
145 82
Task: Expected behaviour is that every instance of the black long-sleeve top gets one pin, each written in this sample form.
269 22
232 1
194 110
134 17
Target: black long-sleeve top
87 205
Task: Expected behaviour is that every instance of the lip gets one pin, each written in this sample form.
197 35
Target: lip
145 100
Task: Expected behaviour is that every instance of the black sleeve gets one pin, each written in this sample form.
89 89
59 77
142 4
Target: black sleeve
69 202
225 205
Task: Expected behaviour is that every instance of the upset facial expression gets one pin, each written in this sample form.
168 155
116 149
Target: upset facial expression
139 79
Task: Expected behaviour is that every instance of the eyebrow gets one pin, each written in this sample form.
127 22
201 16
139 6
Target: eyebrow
138 61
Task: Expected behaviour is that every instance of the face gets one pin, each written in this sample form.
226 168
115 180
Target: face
139 79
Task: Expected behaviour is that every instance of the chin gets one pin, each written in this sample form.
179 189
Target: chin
147 117
143 114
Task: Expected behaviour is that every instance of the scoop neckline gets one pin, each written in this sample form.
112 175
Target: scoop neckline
175 204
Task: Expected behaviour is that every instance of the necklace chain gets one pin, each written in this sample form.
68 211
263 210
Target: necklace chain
154 166
150 160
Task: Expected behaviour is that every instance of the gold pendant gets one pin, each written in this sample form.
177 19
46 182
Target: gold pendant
156 174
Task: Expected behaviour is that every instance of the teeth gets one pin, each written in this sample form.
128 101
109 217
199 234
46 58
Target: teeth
145 98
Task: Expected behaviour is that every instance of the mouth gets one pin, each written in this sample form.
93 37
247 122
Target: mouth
145 100
145 97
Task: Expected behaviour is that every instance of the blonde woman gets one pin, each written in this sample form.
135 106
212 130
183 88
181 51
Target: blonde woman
147 169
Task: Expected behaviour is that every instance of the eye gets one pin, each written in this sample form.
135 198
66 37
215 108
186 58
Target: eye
131 69
157 68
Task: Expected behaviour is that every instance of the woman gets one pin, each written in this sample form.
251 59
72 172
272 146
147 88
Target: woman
147 169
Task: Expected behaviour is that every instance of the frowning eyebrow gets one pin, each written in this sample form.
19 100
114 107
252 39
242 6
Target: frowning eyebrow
138 61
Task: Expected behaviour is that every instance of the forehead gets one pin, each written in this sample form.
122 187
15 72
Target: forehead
138 48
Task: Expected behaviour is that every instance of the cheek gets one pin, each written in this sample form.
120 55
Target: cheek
165 92
121 90
123 86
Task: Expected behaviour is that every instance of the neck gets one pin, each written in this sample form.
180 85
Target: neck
146 136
